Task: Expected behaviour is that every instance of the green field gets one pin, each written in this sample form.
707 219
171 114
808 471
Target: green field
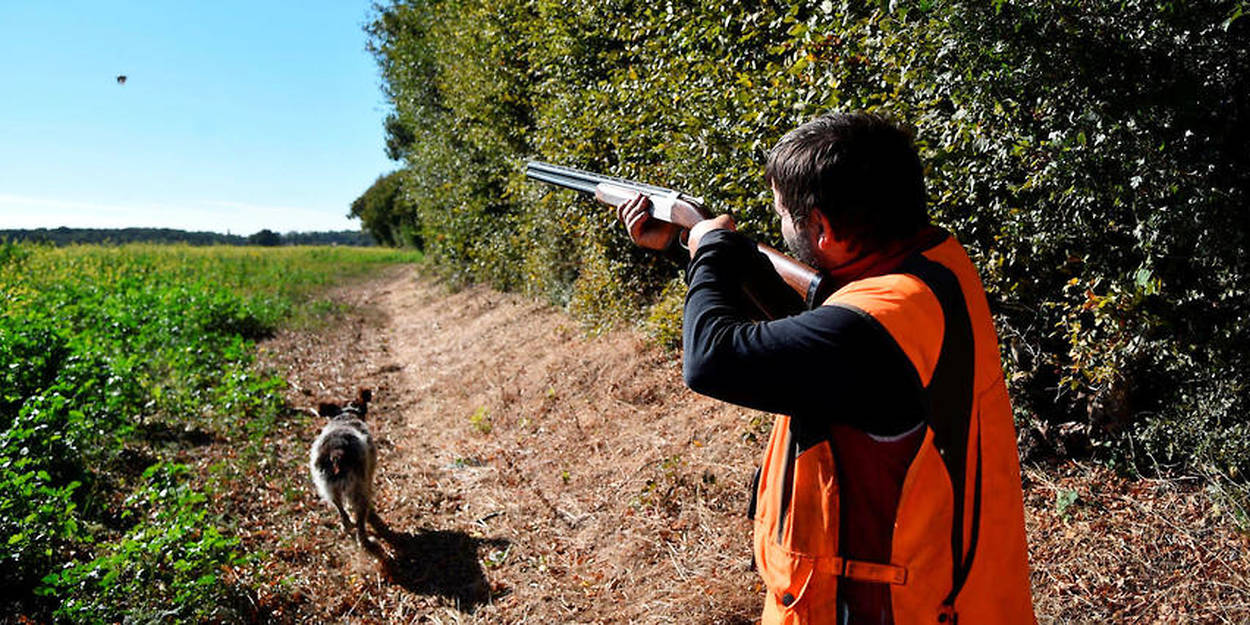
114 362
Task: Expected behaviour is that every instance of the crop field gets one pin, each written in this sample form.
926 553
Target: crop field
116 364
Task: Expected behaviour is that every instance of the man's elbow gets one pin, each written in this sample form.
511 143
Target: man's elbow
698 375
708 357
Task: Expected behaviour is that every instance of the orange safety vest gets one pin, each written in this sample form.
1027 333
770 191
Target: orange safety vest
963 472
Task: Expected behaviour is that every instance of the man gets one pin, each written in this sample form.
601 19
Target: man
890 492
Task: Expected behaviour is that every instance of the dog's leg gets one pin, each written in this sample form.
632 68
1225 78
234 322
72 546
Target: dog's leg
361 508
347 522
380 529
379 526
361 538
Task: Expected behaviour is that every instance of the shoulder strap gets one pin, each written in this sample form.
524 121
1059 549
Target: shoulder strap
950 396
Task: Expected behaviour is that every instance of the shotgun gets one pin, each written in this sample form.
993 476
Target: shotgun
677 208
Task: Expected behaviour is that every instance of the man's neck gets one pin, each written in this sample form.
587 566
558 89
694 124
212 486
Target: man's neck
885 259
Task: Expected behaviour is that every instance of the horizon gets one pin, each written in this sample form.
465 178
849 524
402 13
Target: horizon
227 233
233 118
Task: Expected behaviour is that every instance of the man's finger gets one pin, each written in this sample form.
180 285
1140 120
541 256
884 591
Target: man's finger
623 210
620 209
634 208
635 222
642 202
641 211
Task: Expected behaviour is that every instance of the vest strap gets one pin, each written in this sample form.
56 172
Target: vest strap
861 571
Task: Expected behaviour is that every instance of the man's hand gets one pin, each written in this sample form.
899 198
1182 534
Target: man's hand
652 234
719 222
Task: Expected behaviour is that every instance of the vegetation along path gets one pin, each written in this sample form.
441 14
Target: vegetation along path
532 474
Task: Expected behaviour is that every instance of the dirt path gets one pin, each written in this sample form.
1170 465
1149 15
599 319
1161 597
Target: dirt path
533 475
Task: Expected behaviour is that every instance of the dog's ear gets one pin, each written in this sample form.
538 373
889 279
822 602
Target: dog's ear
364 396
328 409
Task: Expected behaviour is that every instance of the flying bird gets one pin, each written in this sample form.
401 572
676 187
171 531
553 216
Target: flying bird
121 80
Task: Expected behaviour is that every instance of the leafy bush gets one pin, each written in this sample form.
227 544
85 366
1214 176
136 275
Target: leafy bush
1092 157
165 569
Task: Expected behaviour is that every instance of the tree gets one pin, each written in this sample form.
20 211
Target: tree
384 214
266 238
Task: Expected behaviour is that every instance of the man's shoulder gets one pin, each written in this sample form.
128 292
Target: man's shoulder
887 294
906 308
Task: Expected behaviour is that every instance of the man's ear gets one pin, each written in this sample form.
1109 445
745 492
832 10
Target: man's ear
826 240
821 231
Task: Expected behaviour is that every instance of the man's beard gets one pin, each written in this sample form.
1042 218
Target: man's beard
801 248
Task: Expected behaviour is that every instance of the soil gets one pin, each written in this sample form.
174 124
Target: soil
530 473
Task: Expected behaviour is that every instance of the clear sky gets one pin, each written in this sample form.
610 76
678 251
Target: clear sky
235 116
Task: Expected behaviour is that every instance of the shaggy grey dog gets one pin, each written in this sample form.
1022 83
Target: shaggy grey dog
342 461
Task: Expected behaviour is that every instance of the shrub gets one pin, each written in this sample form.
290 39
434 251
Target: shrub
1092 157
380 208
167 568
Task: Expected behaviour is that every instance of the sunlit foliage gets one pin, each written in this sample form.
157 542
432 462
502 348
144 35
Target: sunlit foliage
1094 157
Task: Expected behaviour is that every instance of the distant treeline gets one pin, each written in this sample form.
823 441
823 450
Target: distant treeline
119 236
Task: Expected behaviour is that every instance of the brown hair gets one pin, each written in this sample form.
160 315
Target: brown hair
860 169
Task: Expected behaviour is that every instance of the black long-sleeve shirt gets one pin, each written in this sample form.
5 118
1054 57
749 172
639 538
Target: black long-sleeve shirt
832 364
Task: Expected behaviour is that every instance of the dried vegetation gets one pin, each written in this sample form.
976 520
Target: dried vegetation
532 475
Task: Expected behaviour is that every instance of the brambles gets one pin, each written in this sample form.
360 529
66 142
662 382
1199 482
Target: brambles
663 322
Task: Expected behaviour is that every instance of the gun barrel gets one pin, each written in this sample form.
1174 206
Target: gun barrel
559 179
585 181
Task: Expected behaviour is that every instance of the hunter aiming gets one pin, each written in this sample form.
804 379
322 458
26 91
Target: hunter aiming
890 488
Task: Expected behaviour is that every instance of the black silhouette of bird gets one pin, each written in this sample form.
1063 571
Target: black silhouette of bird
121 80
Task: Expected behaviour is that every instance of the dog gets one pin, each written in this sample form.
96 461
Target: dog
342 462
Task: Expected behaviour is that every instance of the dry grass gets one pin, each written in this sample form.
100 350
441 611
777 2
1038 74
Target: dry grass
1132 551
535 476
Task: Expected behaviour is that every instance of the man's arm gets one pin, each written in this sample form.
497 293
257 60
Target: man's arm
831 363
764 293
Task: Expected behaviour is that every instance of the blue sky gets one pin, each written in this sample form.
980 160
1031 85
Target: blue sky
235 116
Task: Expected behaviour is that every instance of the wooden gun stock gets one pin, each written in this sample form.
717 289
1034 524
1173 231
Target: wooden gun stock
680 209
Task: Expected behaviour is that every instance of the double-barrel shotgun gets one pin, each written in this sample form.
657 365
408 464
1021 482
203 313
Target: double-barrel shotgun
677 208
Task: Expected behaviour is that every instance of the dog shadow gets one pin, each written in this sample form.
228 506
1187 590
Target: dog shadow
439 562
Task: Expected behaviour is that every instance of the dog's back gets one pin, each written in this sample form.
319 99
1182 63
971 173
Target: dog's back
343 459
342 462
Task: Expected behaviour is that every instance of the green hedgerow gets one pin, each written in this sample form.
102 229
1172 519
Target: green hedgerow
1105 209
